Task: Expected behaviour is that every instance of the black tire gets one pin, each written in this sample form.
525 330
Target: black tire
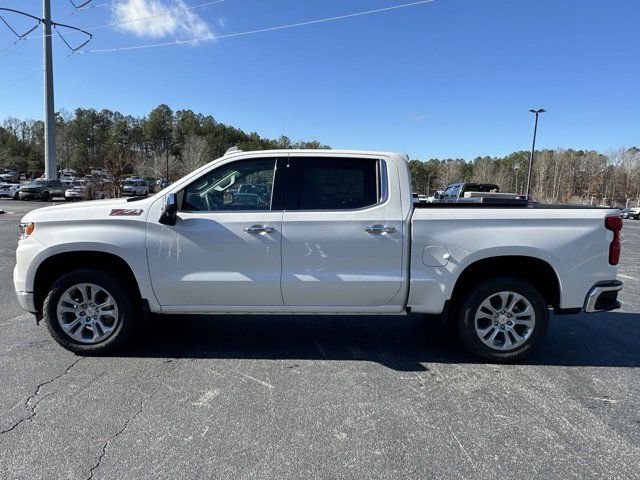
470 304
16 196
46 196
124 301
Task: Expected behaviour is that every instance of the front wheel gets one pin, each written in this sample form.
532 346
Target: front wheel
503 319
88 311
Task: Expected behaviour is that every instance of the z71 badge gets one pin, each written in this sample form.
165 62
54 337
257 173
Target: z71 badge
126 212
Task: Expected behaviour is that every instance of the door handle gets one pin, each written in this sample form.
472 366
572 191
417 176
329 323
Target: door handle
379 229
259 229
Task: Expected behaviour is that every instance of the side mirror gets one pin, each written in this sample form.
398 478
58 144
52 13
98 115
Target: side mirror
169 214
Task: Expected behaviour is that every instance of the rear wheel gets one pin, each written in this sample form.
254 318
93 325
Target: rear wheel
16 196
46 196
89 311
503 319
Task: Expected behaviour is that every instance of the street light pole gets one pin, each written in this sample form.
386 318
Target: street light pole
533 148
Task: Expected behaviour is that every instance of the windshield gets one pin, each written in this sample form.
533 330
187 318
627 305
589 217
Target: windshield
129 183
39 183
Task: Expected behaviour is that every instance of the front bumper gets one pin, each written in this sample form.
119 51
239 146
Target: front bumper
27 195
603 297
27 301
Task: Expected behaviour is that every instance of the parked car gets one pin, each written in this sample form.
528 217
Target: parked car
340 234
420 198
151 183
40 189
135 188
634 212
9 190
9 176
473 192
82 190
624 213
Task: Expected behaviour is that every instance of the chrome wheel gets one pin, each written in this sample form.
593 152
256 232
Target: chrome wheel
87 313
505 320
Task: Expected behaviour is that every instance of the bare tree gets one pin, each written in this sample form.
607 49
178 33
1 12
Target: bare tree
194 154
118 163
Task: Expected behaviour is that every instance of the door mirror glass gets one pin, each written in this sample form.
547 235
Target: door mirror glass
169 214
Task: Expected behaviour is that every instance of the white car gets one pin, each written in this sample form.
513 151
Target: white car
135 188
339 234
634 212
10 190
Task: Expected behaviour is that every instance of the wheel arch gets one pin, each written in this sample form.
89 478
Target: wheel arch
539 272
54 266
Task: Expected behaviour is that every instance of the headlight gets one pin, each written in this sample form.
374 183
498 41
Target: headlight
26 229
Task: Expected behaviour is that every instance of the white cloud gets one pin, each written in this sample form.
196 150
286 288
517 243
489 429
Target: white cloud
184 24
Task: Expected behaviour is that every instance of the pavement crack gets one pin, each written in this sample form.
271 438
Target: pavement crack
128 421
28 403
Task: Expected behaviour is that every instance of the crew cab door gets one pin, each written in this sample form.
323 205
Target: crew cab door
225 247
342 233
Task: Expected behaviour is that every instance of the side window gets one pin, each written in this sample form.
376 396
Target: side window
337 183
455 191
242 185
447 192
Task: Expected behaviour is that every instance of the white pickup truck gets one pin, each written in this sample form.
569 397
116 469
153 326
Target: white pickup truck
329 232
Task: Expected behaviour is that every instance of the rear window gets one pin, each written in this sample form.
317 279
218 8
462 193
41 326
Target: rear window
337 183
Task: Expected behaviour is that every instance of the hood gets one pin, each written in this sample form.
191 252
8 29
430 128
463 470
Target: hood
90 211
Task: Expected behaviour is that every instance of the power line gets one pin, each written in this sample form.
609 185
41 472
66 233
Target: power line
50 169
114 24
21 79
163 14
261 30
17 45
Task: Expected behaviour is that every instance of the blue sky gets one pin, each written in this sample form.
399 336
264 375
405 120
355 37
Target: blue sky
453 78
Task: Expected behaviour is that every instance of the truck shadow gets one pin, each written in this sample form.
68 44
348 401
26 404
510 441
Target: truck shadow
402 343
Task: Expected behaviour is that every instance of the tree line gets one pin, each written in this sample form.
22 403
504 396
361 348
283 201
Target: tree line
558 176
175 143
160 144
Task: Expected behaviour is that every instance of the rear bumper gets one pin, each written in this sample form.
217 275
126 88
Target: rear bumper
603 297
27 301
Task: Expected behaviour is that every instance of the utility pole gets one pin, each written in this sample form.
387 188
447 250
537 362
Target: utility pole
533 148
50 161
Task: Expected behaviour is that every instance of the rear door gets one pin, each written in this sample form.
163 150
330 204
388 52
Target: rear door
342 237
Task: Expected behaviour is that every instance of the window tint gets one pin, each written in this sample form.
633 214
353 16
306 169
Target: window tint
337 183
242 185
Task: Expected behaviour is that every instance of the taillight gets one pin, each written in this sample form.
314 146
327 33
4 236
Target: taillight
614 224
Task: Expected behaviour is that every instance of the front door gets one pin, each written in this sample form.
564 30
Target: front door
342 238
225 247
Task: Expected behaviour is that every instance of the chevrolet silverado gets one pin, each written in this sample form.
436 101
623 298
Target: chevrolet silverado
333 232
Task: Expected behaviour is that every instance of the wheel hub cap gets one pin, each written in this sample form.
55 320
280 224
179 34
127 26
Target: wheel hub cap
504 320
87 313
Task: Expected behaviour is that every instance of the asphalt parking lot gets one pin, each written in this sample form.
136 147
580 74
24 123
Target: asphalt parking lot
319 397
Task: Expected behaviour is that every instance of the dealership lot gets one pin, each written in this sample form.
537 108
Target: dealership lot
319 397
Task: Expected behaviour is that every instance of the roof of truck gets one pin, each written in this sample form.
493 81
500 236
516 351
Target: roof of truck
234 152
